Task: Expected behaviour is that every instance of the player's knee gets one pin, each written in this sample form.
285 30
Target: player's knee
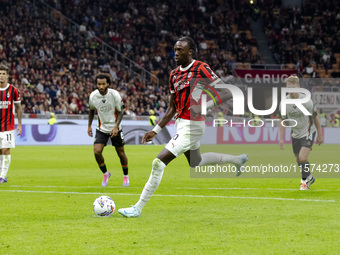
302 159
157 171
158 165
6 151
97 152
122 155
195 162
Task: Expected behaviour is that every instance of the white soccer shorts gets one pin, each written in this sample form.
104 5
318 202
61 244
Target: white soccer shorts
187 138
7 139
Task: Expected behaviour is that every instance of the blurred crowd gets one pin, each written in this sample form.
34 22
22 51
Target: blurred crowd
308 37
54 67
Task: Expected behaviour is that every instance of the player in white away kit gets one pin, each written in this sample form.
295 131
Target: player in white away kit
190 123
303 134
109 106
9 97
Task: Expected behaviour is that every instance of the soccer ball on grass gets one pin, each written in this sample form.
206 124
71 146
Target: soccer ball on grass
104 206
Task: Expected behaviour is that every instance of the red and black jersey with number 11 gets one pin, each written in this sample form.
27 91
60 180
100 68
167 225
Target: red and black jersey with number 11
187 85
8 96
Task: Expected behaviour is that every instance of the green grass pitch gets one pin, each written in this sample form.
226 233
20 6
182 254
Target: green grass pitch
46 206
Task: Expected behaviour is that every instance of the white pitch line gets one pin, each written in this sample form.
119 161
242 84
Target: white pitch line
182 188
236 188
161 195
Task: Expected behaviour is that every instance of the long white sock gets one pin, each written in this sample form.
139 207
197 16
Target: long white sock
153 182
218 158
6 161
1 157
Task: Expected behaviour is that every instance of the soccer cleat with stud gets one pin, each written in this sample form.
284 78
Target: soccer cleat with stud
105 181
126 181
3 180
130 212
243 159
305 184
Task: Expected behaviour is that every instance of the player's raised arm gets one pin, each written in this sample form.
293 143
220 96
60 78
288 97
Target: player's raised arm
169 114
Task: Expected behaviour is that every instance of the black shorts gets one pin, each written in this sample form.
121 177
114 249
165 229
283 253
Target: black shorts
102 138
303 142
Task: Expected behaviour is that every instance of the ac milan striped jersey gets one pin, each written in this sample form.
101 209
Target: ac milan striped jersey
8 96
183 85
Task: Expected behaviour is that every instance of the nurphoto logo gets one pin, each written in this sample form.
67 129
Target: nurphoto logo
238 104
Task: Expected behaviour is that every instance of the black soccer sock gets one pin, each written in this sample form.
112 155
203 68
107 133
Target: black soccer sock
125 169
103 168
304 169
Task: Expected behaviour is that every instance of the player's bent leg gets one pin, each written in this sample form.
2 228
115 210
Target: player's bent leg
239 166
307 178
130 212
126 181
98 153
6 161
124 162
1 157
150 187
305 184
105 180
194 157
219 158
121 154
158 166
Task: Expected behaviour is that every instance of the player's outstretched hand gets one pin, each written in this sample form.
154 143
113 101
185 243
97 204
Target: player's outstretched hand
89 131
319 140
195 110
281 145
148 136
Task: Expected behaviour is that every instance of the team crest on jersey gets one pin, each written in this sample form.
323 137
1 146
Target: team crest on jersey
189 74
8 95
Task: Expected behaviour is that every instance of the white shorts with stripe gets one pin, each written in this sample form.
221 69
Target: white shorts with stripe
187 138
7 139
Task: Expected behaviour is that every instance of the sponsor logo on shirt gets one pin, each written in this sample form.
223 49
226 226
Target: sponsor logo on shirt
105 108
5 104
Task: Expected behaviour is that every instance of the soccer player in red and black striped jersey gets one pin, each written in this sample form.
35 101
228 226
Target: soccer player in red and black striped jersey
9 96
185 87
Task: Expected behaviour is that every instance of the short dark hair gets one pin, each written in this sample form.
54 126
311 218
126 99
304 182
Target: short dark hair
106 76
191 43
3 68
